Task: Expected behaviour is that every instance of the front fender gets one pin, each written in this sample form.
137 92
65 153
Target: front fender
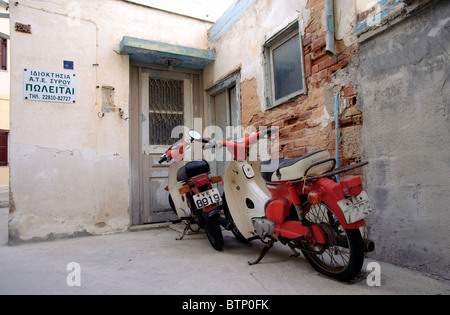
332 193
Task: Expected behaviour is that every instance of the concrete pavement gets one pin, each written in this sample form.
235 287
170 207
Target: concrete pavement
152 262
4 196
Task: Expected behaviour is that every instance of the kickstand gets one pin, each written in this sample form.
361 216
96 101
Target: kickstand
295 253
263 253
188 226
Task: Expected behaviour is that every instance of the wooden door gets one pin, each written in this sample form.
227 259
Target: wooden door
166 104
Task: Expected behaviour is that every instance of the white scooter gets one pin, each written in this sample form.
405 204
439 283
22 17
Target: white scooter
191 193
245 193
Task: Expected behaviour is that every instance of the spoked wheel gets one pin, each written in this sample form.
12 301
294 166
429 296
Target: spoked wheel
342 258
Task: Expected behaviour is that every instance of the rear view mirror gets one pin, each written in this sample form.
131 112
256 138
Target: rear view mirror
194 134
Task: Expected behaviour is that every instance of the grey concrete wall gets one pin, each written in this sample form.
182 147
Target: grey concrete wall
404 89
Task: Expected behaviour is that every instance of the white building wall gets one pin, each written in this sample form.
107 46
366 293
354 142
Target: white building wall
69 168
4 96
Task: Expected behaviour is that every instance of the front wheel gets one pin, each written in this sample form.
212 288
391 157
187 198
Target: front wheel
213 231
342 258
172 205
238 235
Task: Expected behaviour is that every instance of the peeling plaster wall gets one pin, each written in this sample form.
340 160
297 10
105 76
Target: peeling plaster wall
305 122
70 169
241 46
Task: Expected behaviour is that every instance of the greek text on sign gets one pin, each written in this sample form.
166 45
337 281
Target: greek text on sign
49 86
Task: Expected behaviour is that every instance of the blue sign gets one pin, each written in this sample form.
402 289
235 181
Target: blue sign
68 65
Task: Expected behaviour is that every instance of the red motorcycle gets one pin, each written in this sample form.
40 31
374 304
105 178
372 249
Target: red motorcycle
191 193
300 203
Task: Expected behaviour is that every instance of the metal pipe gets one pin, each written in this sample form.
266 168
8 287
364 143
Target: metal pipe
225 223
336 129
369 245
329 26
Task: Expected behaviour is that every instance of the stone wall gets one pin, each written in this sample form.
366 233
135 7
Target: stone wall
404 89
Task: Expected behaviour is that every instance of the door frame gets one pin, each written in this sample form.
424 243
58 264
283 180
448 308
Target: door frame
137 69
218 88
233 80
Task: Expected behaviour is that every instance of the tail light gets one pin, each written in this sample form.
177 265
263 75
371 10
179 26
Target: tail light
315 197
185 189
351 186
201 180
216 179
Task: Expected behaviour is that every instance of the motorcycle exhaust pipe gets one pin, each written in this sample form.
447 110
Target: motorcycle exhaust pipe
369 246
225 223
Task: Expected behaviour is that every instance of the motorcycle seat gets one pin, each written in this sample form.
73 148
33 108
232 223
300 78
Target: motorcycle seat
192 169
292 169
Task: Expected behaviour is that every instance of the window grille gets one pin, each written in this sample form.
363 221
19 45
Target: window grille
166 109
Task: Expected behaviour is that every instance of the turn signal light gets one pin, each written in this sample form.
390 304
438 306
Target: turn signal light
216 179
315 197
185 189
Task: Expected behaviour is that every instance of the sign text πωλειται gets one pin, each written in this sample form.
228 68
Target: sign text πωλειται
49 86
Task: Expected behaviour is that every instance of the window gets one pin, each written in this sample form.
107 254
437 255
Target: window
284 66
166 109
3 53
3 148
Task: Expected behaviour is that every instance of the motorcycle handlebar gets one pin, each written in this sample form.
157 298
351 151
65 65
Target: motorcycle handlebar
209 145
164 158
251 138
231 145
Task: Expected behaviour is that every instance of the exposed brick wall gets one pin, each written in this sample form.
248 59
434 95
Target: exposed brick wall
350 126
301 128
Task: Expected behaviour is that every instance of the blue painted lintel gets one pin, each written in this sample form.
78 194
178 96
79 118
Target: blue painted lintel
383 8
228 19
157 52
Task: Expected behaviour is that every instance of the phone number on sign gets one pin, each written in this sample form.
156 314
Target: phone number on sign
56 98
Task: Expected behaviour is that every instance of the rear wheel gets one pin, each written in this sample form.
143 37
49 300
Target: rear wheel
213 231
211 225
342 258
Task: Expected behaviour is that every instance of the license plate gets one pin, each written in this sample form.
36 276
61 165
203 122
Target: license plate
356 208
207 198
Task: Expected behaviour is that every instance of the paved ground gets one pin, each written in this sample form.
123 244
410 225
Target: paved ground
4 196
153 262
